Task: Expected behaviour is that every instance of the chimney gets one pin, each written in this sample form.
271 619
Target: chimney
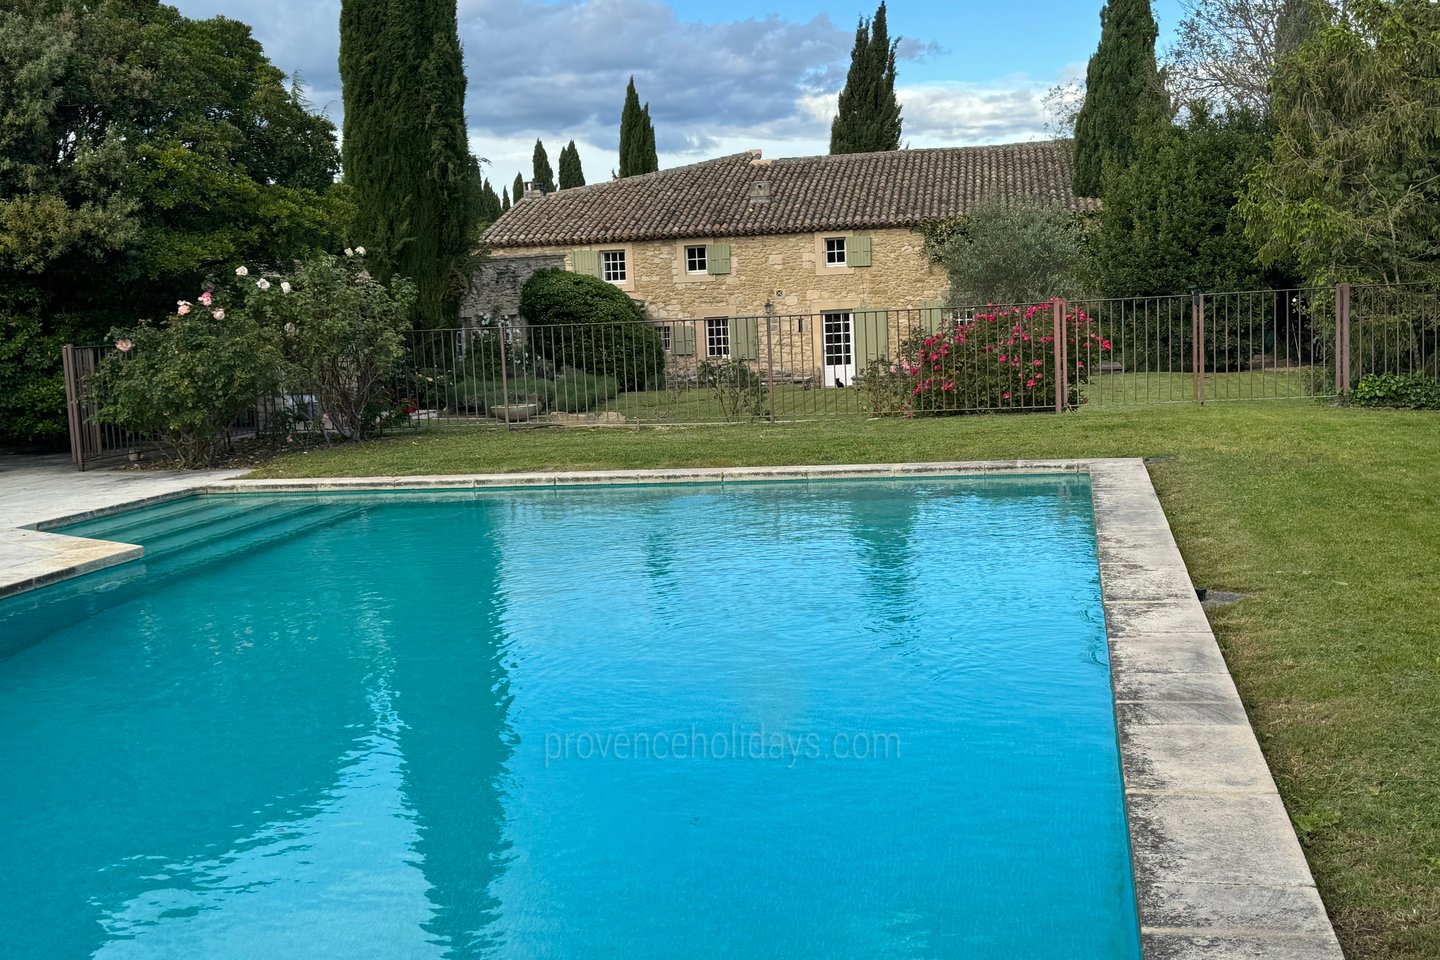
759 193
532 189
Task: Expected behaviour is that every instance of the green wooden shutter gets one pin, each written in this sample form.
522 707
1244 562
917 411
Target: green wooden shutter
932 315
872 335
857 252
682 338
744 338
587 262
717 258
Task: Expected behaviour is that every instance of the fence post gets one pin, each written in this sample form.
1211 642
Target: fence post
770 351
1197 352
504 376
1342 339
1058 309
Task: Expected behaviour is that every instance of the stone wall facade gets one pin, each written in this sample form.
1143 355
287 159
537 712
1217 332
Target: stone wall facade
789 272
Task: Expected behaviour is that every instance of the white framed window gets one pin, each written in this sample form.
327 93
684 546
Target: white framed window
717 336
665 337
612 266
695 261
834 251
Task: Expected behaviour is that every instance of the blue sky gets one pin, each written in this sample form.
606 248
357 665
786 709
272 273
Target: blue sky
720 77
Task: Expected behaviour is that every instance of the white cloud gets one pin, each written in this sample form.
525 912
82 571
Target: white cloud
557 71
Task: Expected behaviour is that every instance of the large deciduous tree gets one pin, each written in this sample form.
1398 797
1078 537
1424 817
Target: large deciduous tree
1351 188
407 155
1225 51
868 117
140 152
1123 93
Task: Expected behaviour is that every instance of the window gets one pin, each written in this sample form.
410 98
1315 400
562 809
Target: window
612 266
695 259
834 251
665 337
717 337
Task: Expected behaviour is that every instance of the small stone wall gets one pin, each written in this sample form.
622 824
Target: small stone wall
494 293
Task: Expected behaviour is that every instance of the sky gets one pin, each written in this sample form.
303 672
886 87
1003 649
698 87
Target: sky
720 78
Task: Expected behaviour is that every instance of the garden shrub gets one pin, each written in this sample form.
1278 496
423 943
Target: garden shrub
582 322
739 390
883 387
577 392
1003 359
1412 391
343 338
184 381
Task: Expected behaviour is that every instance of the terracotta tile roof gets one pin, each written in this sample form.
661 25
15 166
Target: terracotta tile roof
900 188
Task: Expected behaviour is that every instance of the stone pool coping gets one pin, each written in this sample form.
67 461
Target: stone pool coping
1218 870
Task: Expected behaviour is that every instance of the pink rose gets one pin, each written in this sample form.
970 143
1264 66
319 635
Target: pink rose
205 298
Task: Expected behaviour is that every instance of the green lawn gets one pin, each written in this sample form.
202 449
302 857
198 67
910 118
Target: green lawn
1329 519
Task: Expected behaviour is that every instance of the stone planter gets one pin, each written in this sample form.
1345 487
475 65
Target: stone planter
515 412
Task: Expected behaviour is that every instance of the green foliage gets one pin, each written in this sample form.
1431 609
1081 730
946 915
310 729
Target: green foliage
1349 191
868 118
571 173
1123 93
582 322
883 388
517 189
637 136
139 151
576 392
544 177
1003 359
1169 223
343 336
1020 253
185 381
1413 391
739 390
490 206
504 199
407 153
32 390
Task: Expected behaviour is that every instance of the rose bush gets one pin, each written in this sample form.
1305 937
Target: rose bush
1000 359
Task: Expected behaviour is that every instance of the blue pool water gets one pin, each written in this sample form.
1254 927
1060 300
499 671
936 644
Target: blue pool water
851 719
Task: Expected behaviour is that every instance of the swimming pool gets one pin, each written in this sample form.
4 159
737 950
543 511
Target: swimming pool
841 719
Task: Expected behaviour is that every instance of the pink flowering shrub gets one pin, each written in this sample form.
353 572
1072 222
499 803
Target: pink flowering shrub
996 360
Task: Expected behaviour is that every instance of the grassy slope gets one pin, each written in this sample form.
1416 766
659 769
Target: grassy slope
1328 518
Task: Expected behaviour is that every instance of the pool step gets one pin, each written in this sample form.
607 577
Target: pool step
240 519
130 526
75 600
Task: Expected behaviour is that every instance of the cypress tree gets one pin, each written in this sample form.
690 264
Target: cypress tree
544 176
1122 93
504 199
518 190
649 159
571 173
632 134
490 208
406 152
868 118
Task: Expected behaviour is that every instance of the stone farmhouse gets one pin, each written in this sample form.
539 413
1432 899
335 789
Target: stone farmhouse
810 265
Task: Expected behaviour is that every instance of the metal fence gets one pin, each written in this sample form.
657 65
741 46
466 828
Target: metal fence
1053 356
